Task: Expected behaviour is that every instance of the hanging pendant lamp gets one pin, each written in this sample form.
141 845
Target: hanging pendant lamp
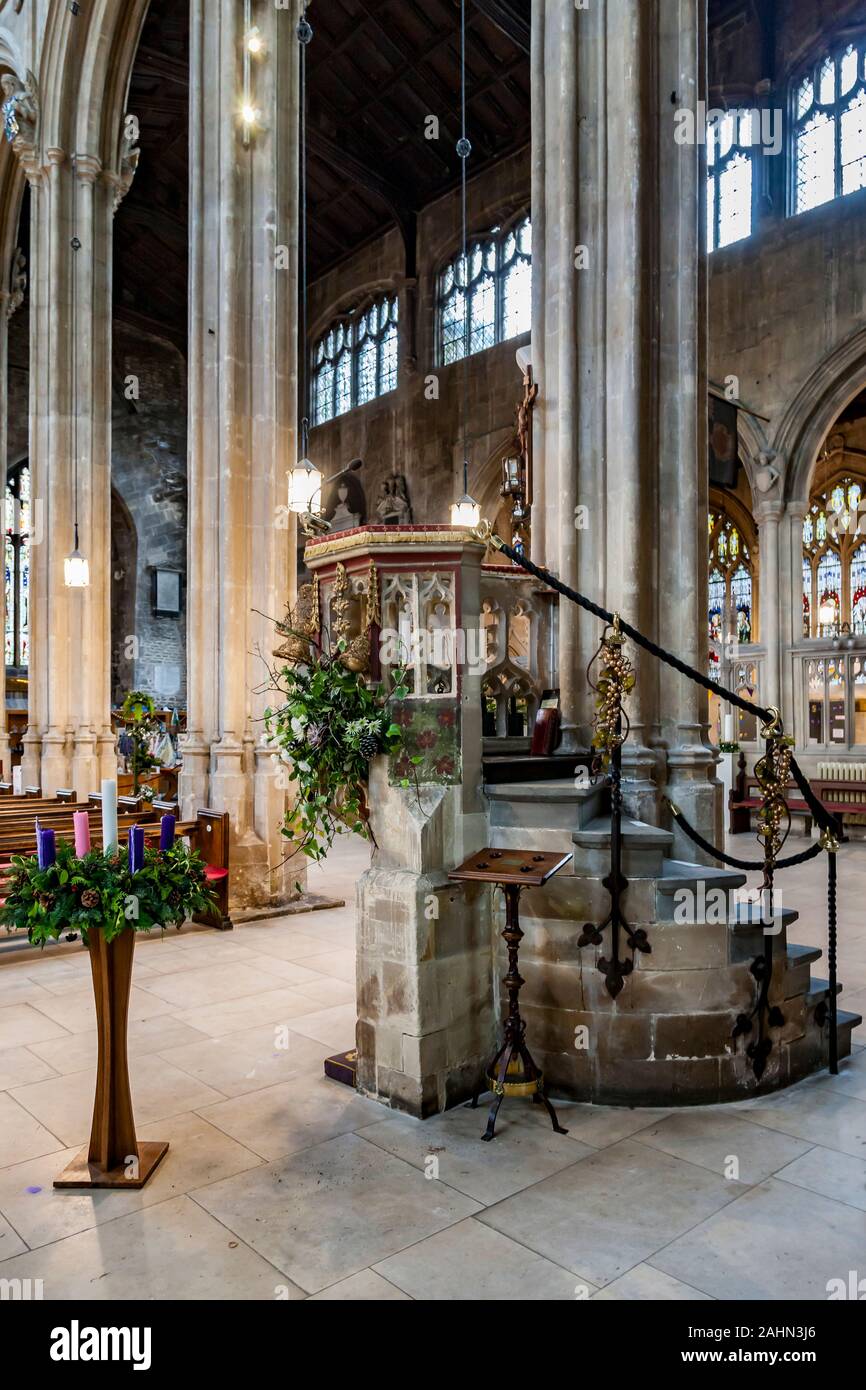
465 511
76 570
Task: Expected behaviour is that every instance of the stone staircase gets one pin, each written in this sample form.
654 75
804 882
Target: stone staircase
667 1037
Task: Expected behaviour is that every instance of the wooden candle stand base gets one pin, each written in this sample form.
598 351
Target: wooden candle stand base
114 1157
82 1173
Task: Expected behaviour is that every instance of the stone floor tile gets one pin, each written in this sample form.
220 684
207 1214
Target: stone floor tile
712 1138
366 1287
776 1242
333 1210
170 1251
836 1175
611 1210
249 1061
472 1263
21 1135
293 1115
643 1284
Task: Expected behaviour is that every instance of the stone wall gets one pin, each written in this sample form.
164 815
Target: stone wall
421 436
148 462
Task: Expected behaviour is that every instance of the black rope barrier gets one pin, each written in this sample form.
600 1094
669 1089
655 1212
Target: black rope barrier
749 864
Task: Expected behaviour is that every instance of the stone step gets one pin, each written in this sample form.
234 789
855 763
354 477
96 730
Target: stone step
820 990
643 848
750 917
797 973
548 805
679 877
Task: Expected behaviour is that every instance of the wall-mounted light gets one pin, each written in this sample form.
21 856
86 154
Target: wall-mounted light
305 488
254 40
254 47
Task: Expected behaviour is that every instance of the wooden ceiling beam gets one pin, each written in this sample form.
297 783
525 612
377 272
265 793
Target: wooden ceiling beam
507 18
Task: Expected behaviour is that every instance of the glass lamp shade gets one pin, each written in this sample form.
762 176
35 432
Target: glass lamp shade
510 477
76 571
305 488
827 614
465 512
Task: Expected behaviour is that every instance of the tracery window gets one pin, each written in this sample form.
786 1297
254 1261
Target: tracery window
730 172
829 113
487 298
834 560
356 360
731 590
18 529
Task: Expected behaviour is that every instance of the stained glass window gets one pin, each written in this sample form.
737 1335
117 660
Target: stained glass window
17 568
356 360
731 598
830 128
487 298
834 559
730 169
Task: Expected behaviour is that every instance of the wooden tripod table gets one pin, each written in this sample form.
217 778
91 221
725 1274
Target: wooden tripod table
512 1071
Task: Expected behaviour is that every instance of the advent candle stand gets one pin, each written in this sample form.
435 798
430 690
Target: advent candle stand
114 1157
512 1072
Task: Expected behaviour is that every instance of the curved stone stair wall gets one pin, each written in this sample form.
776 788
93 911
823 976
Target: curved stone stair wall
668 1036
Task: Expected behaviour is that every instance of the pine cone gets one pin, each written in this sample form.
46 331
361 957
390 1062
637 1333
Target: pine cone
368 745
46 901
90 898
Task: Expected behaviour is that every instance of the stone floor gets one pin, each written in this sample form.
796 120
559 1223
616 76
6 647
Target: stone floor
282 1184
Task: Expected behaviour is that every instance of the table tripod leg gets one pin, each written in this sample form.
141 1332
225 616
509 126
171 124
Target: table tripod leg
498 1092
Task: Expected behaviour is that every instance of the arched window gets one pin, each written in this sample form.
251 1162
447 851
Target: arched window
356 360
18 527
730 167
829 113
488 298
731 591
834 559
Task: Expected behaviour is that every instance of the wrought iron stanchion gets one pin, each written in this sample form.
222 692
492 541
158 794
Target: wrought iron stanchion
512 1072
615 680
831 845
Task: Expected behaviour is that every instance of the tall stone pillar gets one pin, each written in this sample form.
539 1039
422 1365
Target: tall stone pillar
69 741
790 604
242 416
768 516
620 348
10 210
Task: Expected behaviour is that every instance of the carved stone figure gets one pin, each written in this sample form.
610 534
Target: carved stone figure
129 157
20 108
393 507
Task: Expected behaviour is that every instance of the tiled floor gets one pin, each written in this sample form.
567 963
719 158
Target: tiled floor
280 1184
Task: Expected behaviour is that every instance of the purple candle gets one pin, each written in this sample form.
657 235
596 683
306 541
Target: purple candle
136 849
166 833
46 848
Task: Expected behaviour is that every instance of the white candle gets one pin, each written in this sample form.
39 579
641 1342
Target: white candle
17 781
109 816
729 728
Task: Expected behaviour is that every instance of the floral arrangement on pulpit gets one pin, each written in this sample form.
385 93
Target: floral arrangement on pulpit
328 726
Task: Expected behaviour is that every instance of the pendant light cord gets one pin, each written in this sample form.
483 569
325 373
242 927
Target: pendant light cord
305 34
464 149
76 247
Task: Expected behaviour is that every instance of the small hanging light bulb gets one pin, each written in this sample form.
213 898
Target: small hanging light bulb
254 41
465 512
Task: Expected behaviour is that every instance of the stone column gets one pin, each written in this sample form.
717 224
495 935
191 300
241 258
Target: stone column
10 210
768 516
69 741
791 609
620 346
242 417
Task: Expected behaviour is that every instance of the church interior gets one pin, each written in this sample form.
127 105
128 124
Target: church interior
435 641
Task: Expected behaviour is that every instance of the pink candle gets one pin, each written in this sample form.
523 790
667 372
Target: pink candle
81 824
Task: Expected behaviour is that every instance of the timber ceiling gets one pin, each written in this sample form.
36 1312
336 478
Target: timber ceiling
377 69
